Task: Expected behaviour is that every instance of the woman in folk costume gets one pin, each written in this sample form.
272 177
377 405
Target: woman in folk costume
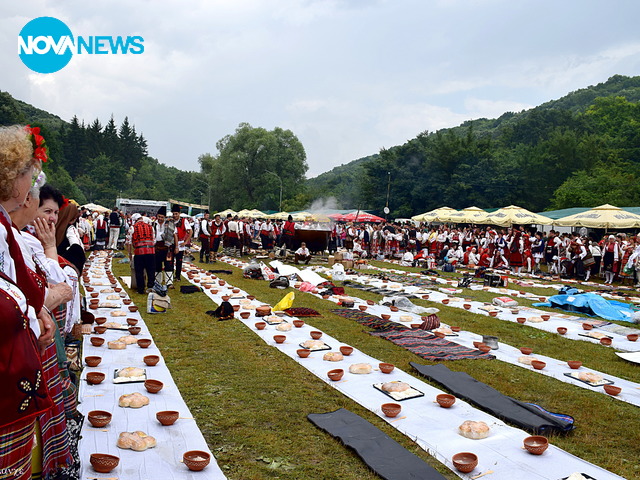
267 234
441 239
102 233
516 249
610 259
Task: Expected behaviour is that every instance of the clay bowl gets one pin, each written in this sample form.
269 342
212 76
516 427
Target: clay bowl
526 350
484 348
536 445
515 311
605 341
385 316
386 367
99 418
133 308
95 294
263 310
236 308
167 417
587 326
456 329
363 308
89 289
445 400
127 301
298 323
132 322
538 365
346 350
245 315
153 386
225 298
92 361
425 297
260 325
251 297
196 460
325 297
221 283
521 319
445 301
101 320
561 330
235 290
94 378
134 330
612 390
370 302
99 329
545 317
393 308
279 338
144 342
315 334
151 360
493 313
214 290
467 306
439 334
465 462
336 374
574 364
303 352
391 409
94 301
415 325
632 337
96 341
103 463
117 289
477 344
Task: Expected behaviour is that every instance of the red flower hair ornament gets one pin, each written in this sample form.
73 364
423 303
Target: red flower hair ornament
40 149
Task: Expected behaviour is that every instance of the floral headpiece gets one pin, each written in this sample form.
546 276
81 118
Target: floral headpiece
65 202
40 149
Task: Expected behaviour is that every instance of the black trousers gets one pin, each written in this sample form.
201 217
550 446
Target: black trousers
205 243
141 264
162 263
178 256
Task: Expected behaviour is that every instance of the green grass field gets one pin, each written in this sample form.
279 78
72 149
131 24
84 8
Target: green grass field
251 401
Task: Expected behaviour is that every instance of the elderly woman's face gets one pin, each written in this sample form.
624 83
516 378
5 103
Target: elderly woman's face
20 190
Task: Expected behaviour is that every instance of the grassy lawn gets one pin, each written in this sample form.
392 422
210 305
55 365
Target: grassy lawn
251 401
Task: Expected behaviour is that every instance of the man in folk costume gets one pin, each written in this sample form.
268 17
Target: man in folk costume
226 248
288 234
183 235
143 243
247 235
114 229
166 241
233 235
204 237
267 234
217 228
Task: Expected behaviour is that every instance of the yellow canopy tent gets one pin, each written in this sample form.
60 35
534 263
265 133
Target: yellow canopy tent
514 215
434 215
605 216
279 216
226 212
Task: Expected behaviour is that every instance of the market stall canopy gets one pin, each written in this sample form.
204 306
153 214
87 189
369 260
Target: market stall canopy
279 216
226 212
363 217
604 216
514 215
94 207
338 217
467 215
434 215
300 216
319 217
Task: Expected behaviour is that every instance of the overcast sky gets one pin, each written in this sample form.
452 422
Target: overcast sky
346 76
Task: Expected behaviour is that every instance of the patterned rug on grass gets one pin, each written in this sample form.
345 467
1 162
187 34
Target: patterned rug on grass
430 347
302 312
368 320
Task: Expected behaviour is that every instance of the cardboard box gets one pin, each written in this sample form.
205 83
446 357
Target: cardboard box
338 256
331 261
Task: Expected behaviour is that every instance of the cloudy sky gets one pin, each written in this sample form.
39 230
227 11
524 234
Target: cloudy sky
346 76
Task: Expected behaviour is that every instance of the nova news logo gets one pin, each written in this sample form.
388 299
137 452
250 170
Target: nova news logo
46 45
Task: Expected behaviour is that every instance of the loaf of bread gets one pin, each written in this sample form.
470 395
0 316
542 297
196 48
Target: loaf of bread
333 357
128 339
130 372
395 386
133 400
137 441
360 368
284 327
116 345
474 430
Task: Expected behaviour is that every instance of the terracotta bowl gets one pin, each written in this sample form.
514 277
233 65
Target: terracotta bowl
92 361
386 367
89 289
94 378
467 306
196 460
303 352
456 329
99 418
574 364
385 316
521 319
127 301
315 334
425 297
132 322
363 308
95 294
245 315
526 350
251 297
391 409
542 299
260 325
445 400
325 297
134 330
94 301
99 329
96 341
484 348
515 311
605 341
538 365
445 301
587 326
153 386
101 320
167 417
465 462
612 390
536 444
370 302
151 360
632 337
236 308
298 323
493 313
335 374
439 334
133 308
144 342
561 330
415 326
221 283
346 350
263 310
235 290
225 298
279 338
214 290
393 308
477 344
103 463
117 289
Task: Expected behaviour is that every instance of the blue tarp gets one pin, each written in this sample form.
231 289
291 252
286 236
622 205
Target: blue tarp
591 304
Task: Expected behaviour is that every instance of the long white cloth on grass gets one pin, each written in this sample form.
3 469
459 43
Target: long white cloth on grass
163 461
